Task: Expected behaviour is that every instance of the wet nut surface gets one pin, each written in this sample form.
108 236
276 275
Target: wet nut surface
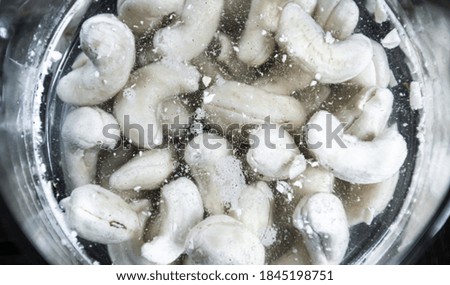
228 132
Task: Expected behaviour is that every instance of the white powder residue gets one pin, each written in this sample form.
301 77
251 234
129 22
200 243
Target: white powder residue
285 189
415 96
208 97
391 40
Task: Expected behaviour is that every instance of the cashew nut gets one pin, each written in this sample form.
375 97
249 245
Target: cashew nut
221 240
312 180
353 160
377 73
216 171
304 40
340 17
129 252
188 38
181 210
145 15
275 154
255 209
144 172
139 107
99 215
84 133
367 114
103 68
239 103
363 203
257 42
322 221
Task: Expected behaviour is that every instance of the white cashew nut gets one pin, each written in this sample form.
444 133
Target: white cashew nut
190 37
367 114
255 209
144 172
105 65
257 42
84 133
340 17
275 154
181 210
377 73
353 160
363 203
216 171
322 221
312 180
304 40
99 215
234 102
129 252
222 240
142 100
145 15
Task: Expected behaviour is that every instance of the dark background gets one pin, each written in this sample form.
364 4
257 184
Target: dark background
16 249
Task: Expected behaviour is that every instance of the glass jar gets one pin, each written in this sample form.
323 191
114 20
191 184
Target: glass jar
36 39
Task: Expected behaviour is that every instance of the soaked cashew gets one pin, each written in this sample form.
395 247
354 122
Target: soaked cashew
305 41
312 180
274 154
145 15
322 221
257 42
255 210
238 103
363 203
139 107
339 17
190 37
353 160
144 172
367 114
84 133
377 73
103 68
129 252
222 240
99 215
181 210
216 171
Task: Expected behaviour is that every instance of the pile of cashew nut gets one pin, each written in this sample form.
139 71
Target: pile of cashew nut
217 63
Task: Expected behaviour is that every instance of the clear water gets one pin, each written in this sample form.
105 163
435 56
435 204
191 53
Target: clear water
363 237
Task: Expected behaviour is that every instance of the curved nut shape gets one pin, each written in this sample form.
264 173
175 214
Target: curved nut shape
291 78
105 65
138 108
84 132
353 160
304 40
216 171
129 252
221 240
312 180
322 221
190 37
377 73
363 203
255 209
340 17
274 153
237 103
146 15
181 210
98 215
356 161
257 42
367 114
145 172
